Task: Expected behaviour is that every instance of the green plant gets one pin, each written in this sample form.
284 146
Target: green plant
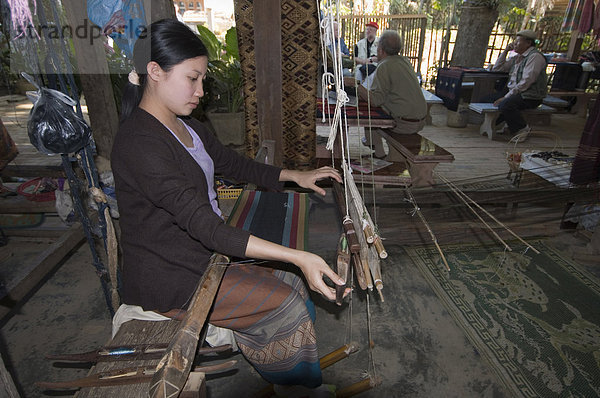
224 83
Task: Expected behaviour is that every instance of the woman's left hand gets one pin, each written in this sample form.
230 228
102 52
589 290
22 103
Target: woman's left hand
308 179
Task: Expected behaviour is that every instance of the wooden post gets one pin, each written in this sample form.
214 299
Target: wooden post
267 44
95 76
574 49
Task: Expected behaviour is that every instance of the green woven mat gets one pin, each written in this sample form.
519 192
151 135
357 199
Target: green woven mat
535 317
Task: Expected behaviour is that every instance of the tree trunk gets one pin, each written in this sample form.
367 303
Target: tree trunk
95 80
158 9
474 28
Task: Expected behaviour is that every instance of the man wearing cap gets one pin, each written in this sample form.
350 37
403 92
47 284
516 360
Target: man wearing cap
527 85
365 52
395 87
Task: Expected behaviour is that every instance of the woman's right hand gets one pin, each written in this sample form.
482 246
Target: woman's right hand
314 267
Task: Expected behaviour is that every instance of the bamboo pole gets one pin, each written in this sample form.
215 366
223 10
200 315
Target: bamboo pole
347 222
337 355
364 247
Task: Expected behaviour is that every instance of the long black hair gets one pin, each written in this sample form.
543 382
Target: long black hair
167 42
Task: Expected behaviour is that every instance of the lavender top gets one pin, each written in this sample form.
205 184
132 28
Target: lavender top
205 162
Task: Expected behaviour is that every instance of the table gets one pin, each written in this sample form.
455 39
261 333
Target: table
451 84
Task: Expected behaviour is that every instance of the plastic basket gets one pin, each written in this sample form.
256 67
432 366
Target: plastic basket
229 193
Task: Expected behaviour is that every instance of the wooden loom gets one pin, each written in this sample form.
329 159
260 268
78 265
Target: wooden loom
174 369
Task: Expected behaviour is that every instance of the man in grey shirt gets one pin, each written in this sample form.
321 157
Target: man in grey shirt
396 89
527 85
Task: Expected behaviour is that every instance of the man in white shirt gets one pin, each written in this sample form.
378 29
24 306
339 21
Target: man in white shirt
365 52
527 85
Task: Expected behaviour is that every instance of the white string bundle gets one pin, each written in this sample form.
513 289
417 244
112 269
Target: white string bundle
339 127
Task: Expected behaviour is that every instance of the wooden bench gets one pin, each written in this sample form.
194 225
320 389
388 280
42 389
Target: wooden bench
583 98
421 155
431 99
555 102
539 115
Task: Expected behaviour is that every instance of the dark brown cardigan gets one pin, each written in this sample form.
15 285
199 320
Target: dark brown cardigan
168 228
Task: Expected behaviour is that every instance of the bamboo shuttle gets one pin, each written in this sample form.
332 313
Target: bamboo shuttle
367 271
379 247
364 246
362 211
347 222
375 268
368 231
343 352
359 270
342 267
357 388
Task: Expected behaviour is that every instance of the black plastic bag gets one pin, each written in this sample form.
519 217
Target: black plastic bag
53 125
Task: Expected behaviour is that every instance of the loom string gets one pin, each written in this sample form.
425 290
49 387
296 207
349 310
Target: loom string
417 210
464 197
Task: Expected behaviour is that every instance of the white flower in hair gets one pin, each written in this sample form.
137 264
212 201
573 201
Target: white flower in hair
134 78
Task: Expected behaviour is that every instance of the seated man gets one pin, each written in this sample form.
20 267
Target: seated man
365 52
347 62
527 84
396 89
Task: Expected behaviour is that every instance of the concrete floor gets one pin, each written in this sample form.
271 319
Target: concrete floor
418 349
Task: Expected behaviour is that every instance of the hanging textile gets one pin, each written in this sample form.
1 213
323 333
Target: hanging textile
587 15
596 22
586 167
572 16
299 46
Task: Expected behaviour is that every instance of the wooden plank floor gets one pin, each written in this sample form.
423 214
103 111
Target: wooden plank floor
426 346
476 157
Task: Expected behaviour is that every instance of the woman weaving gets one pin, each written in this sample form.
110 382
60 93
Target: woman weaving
164 164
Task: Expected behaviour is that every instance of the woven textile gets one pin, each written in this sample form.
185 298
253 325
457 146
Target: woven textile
244 20
448 85
279 217
270 311
300 45
300 51
534 317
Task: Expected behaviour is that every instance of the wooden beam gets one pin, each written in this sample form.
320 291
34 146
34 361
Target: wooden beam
195 386
267 44
44 263
174 367
574 48
20 205
31 171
